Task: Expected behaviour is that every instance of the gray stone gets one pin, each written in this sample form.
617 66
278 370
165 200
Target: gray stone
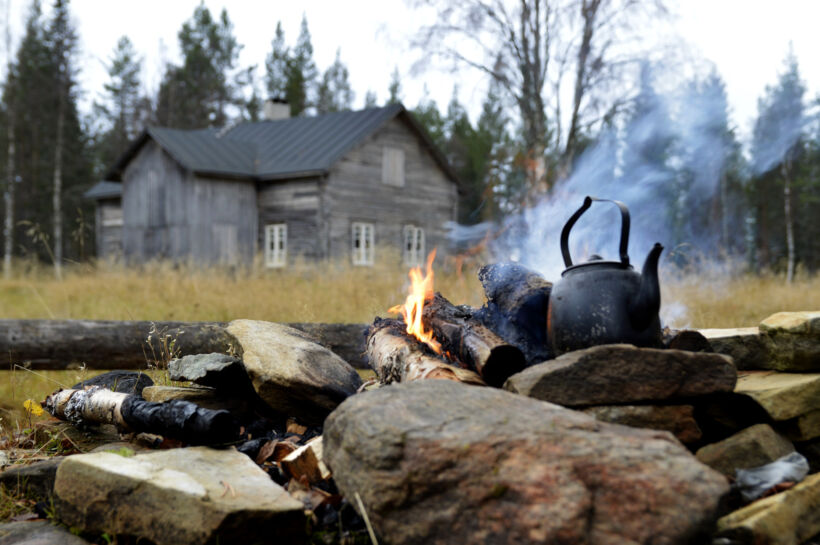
782 395
36 479
622 373
126 382
745 345
291 373
788 518
180 496
441 462
219 371
802 428
676 419
753 447
38 532
792 341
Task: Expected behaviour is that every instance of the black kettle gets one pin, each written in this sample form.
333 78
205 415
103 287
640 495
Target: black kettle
604 302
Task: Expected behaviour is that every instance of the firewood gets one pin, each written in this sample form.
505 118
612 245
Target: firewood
306 461
395 357
175 419
472 342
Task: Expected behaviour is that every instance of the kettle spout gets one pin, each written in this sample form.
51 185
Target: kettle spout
644 308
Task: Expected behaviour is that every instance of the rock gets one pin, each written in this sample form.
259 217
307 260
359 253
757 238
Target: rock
803 428
36 479
792 341
179 496
787 518
215 370
38 532
752 447
676 419
745 345
208 398
782 395
290 372
622 373
126 382
686 339
440 462
811 450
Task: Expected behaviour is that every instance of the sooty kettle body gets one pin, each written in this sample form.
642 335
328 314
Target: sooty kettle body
605 302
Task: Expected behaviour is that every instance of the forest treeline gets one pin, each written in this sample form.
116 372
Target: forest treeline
757 202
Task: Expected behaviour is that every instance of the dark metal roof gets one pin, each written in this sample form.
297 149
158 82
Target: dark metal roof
104 190
270 150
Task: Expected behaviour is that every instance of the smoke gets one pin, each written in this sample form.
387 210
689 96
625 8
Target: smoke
665 162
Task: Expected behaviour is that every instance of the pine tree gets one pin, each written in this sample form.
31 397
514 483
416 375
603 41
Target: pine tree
276 65
121 107
301 73
334 92
200 92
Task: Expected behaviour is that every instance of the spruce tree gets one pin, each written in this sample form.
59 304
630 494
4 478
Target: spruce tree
276 65
301 73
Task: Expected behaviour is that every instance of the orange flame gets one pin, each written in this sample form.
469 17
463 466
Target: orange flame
421 291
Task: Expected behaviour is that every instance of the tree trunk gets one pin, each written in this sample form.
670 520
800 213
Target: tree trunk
787 213
8 196
57 200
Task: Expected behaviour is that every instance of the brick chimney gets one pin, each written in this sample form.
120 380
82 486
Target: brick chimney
276 108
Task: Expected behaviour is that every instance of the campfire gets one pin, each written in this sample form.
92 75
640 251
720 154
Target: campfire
436 339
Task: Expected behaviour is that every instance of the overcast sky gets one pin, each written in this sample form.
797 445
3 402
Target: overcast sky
746 39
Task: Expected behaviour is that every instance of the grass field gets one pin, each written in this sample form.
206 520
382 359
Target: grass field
334 293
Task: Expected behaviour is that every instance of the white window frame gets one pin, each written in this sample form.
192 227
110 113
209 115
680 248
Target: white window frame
393 166
363 242
276 245
414 243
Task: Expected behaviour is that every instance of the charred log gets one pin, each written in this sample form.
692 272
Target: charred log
516 308
471 342
686 339
396 357
176 419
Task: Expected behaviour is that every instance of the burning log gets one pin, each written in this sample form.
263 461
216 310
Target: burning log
397 357
176 419
471 342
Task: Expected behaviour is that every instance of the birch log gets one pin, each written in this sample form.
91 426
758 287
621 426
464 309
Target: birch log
395 357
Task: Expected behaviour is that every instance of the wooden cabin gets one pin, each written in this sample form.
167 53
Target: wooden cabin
340 186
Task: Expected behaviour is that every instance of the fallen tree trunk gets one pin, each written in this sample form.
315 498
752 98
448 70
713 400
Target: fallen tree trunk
471 342
67 344
175 419
395 357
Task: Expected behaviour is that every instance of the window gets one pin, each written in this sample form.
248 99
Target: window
276 245
413 245
393 166
363 242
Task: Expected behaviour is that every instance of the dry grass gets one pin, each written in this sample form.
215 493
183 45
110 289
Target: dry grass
335 292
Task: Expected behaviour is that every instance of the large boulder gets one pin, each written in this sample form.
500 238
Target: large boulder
622 373
441 462
292 373
176 497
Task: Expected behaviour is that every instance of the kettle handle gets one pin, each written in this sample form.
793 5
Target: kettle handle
624 229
